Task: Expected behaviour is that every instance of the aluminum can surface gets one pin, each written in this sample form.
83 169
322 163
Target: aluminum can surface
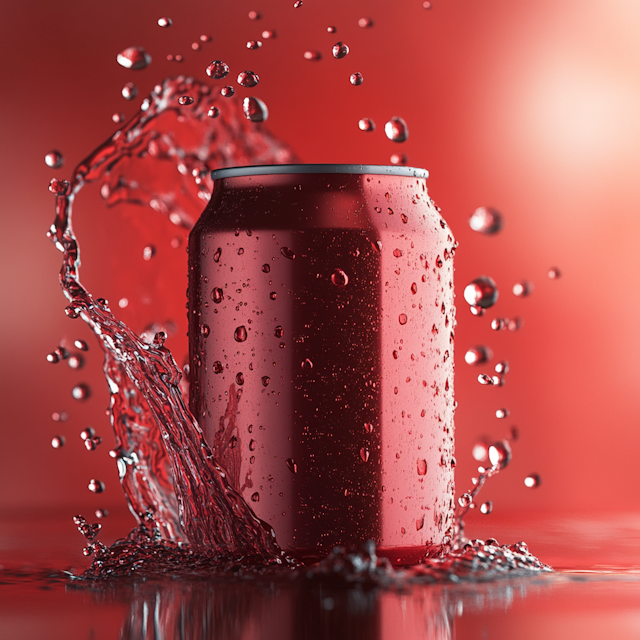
321 323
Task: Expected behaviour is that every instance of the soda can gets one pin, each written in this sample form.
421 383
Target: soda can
321 330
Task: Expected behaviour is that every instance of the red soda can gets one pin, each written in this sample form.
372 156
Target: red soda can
321 328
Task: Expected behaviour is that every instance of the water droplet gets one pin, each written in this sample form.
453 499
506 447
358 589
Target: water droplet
366 124
484 379
486 220
522 289
54 159
396 130
148 252
102 513
217 70
87 433
217 254
239 379
515 324
81 392
205 330
253 44
185 100
314 56
402 318
248 79
255 109
164 22
217 367
96 486
287 253
356 79
365 22
217 295
269 34
278 332
486 508
252 445
293 467
118 118
266 268
502 367
331 29
254 15
76 362
53 357
340 50
414 288
480 451
426 5
532 481
499 324
481 292
465 500
57 442
364 454
134 58
273 295
306 364
265 381
419 523
240 334
129 91
397 253
502 413
500 454
59 187
90 444
477 355
255 497
422 467
61 416
368 427
81 344
297 4
554 273
227 91
340 278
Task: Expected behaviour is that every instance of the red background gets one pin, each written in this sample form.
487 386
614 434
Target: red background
529 106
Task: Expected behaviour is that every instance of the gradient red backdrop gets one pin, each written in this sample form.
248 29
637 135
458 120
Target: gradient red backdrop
528 106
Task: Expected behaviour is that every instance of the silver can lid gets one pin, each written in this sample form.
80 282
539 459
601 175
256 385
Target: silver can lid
282 169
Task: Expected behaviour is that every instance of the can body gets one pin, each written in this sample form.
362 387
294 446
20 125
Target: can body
321 324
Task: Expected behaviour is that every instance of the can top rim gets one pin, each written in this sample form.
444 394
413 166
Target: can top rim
282 169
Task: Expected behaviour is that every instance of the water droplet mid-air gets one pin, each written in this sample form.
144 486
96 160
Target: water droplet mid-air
134 58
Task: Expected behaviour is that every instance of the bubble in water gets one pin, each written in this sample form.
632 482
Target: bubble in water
481 292
248 79
396 130
368 427
287 253
129 91
422 467
217 69
134 58
356 79
265 381
81 392
96 486
59 187
522 289
365 22
502 413
54 159
340 278
486 220
366 124
499 324
240 334
253 44
500 454
398 158
502 367
532 481
554 273
314 56
76 362
57 442
402 318
213 112
484 379
340 50
269 34
465 500
486 508
293 467
478 355
185 100
364 454
102 513
227 91
255 109
164 22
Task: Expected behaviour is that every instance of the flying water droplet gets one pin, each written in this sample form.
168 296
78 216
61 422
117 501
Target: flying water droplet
59 187
134 58
57 442
81 344
366 124
240 334
253 44
486 220
213 112
499 324
53 357
331 29
54 159
340 50
87 433
500 454
481 292
465 500
522 289
292 466
148 252
356 79
486 508
255 109
484 379
426 4
478 355
90 444
340 278
227 91
532 481
365 23
297 4
269 34
81 392
396 130
502 413
96 486
502 367
314 56
129 91
398 158
76 362
254 15
102 513
185 100
217 69
248 79
164 22
118 117
422 467
554 273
